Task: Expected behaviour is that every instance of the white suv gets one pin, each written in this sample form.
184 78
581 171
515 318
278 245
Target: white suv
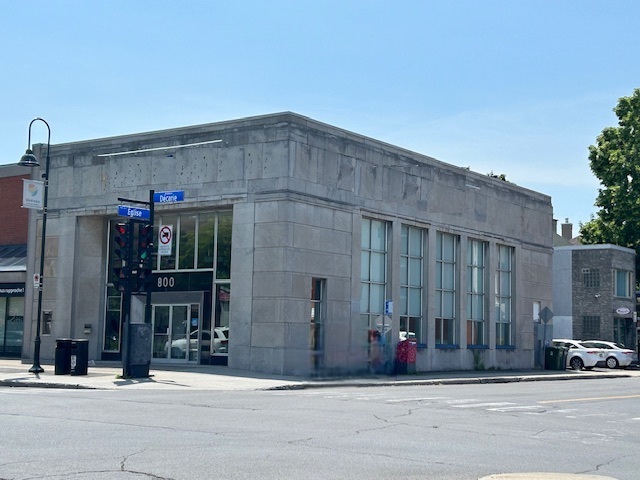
578 355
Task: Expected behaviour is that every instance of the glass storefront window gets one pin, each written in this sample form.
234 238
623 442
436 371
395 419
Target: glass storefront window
206 230
187 242
11 324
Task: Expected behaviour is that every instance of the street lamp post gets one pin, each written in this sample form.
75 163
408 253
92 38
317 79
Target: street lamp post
30 160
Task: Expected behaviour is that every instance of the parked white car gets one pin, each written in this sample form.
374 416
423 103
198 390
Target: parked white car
578 355
220 340
615 354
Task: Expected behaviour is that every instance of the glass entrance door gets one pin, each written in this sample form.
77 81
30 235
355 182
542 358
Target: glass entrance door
176 333
172 332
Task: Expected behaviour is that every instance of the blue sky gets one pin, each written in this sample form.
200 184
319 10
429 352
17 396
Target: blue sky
517 87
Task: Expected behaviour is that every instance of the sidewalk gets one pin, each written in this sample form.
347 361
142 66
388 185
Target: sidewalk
106 376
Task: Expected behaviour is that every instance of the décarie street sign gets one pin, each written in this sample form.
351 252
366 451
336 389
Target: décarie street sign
168 197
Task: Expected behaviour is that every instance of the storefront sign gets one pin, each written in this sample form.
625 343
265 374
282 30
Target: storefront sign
623 311
12 289
182 282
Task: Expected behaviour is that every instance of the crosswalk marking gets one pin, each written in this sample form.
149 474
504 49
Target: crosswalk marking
396 397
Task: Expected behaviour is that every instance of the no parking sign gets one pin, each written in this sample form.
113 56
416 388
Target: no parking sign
165 239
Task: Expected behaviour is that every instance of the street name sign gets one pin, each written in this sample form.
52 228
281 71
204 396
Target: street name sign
134 212
169 197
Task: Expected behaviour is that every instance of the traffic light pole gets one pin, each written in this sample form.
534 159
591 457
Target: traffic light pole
127 369
147 310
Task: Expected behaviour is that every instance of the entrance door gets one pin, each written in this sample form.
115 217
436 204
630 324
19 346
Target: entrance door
172 335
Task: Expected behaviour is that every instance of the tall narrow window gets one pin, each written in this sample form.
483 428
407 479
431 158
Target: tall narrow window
373 274
411 282
187 242
316 334
504 293
446 246
223 244
475 293
622 287
206 234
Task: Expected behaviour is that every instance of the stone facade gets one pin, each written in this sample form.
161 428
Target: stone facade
299 190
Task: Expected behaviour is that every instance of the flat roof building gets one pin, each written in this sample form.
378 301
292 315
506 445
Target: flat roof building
297 248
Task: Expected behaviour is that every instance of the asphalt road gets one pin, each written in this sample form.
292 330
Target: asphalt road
431 432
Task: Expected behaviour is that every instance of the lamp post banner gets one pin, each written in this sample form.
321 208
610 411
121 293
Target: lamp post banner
32 194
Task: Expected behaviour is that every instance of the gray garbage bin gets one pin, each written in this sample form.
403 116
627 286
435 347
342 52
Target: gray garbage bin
79 358
62 365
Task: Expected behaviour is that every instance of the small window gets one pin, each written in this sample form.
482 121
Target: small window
591 277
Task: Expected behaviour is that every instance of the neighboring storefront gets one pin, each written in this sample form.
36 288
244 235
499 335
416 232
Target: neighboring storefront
13 260
11 318
317 248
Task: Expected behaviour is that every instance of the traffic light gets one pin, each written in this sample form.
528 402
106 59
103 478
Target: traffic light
144 255
145 243
122 256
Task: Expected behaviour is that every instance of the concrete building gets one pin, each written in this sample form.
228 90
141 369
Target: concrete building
315 247
593 291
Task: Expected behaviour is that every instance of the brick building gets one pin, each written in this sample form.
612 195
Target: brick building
13 259
593 291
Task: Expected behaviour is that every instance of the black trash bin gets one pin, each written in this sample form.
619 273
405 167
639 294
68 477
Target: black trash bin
79 356
555 358
62 365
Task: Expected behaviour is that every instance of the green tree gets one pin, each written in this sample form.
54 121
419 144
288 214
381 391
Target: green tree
615 161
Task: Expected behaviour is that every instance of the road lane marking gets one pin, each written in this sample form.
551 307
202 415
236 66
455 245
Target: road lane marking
481 405
509 409
618 397
416 399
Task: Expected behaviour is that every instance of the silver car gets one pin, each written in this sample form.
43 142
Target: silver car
615 354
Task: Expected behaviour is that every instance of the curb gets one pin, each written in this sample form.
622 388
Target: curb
442 381
68 386
350 383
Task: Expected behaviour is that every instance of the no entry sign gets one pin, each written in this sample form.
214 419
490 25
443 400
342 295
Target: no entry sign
165 239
